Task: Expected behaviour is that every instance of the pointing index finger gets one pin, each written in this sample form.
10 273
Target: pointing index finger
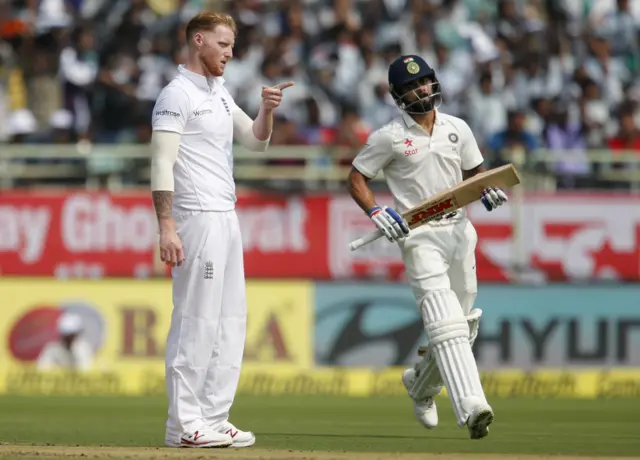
284 85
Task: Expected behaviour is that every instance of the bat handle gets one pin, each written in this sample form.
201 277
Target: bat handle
366 239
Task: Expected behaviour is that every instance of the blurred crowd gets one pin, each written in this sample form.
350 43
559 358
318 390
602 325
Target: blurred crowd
537 74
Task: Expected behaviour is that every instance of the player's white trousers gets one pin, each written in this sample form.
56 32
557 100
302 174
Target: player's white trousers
441 270
205 344
442 256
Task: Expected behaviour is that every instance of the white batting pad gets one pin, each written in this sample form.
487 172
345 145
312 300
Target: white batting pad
428 380
448 333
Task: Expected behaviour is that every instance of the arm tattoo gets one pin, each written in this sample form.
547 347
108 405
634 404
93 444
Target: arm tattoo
162 202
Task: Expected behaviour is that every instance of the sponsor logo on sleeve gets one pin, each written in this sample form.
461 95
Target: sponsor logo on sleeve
166 113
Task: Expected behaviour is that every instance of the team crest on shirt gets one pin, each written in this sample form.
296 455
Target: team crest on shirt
208 270
226 106
453 138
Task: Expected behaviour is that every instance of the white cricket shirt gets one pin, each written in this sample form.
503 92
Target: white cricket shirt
200 109
417 165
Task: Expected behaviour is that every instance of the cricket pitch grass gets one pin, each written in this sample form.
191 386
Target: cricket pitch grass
321 428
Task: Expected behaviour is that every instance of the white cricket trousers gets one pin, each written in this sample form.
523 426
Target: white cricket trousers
206 339
442 256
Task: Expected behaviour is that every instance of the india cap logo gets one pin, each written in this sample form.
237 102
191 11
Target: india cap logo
413 67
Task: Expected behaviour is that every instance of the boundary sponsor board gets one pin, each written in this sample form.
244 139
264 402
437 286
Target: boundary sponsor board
352 382
590 334
373 324
80 234
126 324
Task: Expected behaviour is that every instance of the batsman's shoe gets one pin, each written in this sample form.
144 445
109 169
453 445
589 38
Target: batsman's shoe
202 438
239 438
424 409
479 421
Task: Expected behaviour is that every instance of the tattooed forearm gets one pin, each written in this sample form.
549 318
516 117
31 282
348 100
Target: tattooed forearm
472 172
162 202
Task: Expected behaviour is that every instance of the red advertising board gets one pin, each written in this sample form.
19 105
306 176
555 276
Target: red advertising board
82 234
76 234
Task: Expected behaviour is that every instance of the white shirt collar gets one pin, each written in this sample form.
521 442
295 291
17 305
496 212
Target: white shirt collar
202 82
410 122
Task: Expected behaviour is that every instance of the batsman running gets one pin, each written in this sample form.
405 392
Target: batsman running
421 153
194 123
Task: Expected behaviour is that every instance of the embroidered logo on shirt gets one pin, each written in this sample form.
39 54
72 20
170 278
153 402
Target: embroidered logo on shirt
409 151
161 113
199 113
226 106
453 137
208 270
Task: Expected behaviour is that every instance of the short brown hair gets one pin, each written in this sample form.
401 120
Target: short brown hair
208 21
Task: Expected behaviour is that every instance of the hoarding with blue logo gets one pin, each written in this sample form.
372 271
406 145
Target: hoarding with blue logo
366 325
562 326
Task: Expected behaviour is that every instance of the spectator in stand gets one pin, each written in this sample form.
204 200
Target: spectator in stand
381 109
566 138
595 114
285 132
625 142
488 114
628 135
502 143
539 117
22 126
78 71
351 134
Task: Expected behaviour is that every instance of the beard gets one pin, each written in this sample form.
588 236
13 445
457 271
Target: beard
423 105
212 65
421 102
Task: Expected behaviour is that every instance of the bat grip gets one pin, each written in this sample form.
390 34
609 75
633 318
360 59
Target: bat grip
366 239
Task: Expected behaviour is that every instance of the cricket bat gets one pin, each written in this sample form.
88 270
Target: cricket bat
450 200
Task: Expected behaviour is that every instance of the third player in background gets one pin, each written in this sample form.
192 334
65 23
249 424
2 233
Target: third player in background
421 153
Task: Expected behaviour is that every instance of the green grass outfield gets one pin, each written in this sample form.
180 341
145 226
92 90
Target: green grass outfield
283 424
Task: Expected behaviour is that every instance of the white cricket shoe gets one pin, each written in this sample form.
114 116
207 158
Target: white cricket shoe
479 421
201 438
239 438
425 410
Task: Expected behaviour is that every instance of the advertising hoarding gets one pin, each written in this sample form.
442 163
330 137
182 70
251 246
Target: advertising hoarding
95 235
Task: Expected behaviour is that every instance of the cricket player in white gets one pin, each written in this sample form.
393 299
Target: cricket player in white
421 153
194 124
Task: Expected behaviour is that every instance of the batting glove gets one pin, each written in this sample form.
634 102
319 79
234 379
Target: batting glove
492 197
392 224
